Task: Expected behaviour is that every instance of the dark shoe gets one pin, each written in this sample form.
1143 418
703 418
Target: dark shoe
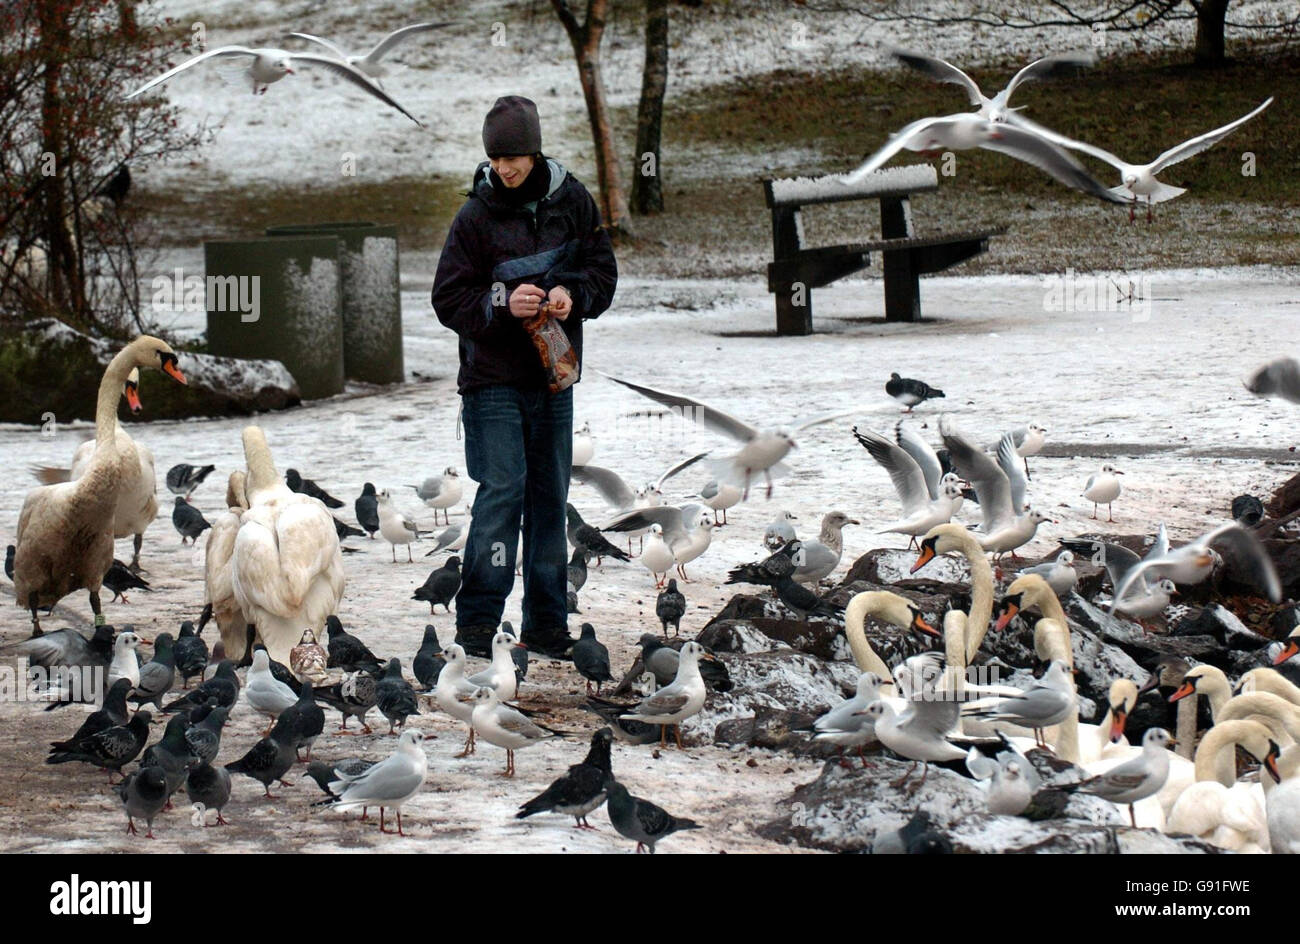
553 641
476 640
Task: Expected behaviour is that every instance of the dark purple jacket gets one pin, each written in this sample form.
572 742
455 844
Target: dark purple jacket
491 244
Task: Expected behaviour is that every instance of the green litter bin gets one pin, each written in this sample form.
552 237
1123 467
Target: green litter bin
371 297
297 321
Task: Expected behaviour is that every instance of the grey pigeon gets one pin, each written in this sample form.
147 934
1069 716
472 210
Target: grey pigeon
210 786
571 600
640 820
157 675
670 607
111 748
309 719
353 697
144 793
916 837
625 729
346 651
172 754
222 689
324 773
65 647
272 757
9 561
769 571
190 653
394 696
591 658
910 392
183 479
584 535
304 486
119 579
661 661
578 568
112 714
580 791
345 530
798 597
428 661
367 509
519 654
441 586
188 520
204 732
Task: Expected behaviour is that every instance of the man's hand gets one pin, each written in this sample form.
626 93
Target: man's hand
561 303
526 300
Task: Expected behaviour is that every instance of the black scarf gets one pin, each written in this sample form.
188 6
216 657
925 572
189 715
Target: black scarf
535 186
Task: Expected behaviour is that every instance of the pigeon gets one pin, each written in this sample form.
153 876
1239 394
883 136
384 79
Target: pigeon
353 698
428 661
578 568
370 64
157 675
210 786
506 727
110 748
441 492
670 607
591 658
183 479
307 487
633 732
265 693
112 714
324 774
307 718
1247 510
394 696
221 690
188 520
144 794
571 600
9 561
584 535
345 530
915 838
441 586
780 565
65 647
119 579
367 508
308 661
388 784
798 597
172 754
1277 378
910 392
661 661
190 653
204 733
346 651
272 757
640 820
580 791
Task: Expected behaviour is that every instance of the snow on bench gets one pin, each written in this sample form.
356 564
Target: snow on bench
803 191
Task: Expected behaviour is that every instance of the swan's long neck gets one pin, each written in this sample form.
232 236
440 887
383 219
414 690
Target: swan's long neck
261 467
1277 714
1185 726
1052 641
954 650
1288 765
1215 687
1270 680
981 599
855 620
1222 737
110 391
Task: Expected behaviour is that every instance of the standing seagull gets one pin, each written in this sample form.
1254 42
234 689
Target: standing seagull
183 478
1103 488
395 526
1136 779
505 727
641 820
580 791
822 556
584 446
370 63
388 784
440 492
678 701
454 693
367 508
262 67
910 392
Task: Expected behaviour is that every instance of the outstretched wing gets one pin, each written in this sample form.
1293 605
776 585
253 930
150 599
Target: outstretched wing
356 77
221 53
942 71
692 409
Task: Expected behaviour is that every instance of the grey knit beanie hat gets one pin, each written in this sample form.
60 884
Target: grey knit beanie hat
512 128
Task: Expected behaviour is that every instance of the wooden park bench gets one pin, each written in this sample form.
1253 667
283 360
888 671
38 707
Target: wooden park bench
796 270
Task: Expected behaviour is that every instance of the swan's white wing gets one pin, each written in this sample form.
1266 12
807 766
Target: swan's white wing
941 71
914 445
1025 145
343 57
903 471
701 413
1009 461
896 143
1196 145
396 36
611 487
991 484
1064 63
222 52
684 464
355 76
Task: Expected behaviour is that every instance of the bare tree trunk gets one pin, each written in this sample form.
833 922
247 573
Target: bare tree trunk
1211 48
647 185
585 38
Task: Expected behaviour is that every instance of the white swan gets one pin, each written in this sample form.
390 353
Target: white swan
947 538
1282 802
287 569
1270 680
1230 816
893 609
65 531
218 585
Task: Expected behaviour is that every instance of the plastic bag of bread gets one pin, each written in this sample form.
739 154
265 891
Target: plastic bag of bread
559 360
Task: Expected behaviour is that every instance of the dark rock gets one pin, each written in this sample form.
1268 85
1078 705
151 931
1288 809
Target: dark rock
774 729
1223 625
49 367
825 640
742 606
1286 498
1285 553
887 568
1136 641
1283 621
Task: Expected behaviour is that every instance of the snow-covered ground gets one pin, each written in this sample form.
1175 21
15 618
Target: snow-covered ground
1161 396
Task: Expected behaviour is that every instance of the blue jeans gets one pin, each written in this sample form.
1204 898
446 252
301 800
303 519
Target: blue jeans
519 449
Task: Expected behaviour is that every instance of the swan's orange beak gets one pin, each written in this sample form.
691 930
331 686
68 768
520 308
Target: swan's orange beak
921 626
1118 718
1287 653
926 555
1187 688
132 394
171 370
1270 763
1010 607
